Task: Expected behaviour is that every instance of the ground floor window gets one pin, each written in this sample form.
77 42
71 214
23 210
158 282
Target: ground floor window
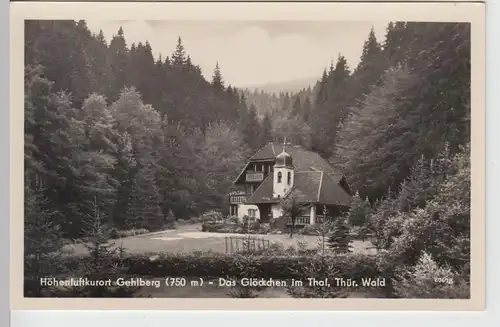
233 210
252 213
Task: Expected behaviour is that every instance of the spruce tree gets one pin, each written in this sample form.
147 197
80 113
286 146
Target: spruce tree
179 55
306 109
358 210
267 129
287 102
371 66
43 242
217 81
397 40
339 238
105 260
118 62
297 107
250 128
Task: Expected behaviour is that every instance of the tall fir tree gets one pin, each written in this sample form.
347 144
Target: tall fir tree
267 129
179 55
118 62
296 107
217 81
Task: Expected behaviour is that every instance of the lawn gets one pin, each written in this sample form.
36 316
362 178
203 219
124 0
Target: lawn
190 238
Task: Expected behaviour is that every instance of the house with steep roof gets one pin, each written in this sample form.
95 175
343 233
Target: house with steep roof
276 172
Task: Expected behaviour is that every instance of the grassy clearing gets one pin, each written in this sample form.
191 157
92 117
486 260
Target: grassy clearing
190 238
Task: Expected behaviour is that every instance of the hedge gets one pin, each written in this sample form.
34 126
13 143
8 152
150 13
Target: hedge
221 265
214 265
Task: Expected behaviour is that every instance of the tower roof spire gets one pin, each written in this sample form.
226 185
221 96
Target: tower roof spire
284 159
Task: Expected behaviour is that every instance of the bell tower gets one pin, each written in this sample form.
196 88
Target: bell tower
283 176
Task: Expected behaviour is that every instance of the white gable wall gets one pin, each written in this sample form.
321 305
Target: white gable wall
243 210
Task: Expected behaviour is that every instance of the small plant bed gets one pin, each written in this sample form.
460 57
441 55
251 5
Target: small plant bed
115 233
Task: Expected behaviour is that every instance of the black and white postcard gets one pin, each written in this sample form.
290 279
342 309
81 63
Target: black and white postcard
193 155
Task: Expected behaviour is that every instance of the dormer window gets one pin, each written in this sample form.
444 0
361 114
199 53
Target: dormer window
279 177
289 178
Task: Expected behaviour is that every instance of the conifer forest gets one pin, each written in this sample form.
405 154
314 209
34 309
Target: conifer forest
118 139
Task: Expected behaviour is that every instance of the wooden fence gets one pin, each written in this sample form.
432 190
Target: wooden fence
236 244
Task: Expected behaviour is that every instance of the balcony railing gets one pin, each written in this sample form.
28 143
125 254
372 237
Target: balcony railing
254 177
320 219
306 220
302 220
237 199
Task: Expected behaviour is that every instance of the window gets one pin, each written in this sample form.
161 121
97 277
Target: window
279 177
289 178
252 213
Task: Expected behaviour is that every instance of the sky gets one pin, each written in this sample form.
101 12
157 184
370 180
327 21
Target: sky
252 53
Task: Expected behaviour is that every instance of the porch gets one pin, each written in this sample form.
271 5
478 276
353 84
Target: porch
306 220
311 215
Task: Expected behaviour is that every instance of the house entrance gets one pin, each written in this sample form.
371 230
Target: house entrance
265 213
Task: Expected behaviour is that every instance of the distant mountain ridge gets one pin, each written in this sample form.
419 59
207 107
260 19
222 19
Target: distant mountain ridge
291 86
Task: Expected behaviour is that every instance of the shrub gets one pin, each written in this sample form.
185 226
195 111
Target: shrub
247 269
271 264
312 230
115 233
320 269
219 228
441 228
212 216
264 229
254 226
429 280
190 221
278 223
232 220
105 261
43 243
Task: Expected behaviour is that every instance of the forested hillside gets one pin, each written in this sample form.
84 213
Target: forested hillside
408 96
106 121
146 137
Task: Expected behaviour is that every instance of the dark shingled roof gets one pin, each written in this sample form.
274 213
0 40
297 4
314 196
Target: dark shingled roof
314 186
314 178
303 159
263 193
267 152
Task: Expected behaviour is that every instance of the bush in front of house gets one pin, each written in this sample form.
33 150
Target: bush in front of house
212 216
232 220
213 227
278 223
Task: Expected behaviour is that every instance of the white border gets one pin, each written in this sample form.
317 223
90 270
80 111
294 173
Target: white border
302 12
